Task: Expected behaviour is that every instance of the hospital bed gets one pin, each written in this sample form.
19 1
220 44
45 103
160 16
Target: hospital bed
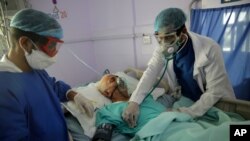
240 107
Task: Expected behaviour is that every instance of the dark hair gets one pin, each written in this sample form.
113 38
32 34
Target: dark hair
178 31
16 33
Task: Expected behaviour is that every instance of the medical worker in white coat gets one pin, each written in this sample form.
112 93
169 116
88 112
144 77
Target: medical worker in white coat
194 66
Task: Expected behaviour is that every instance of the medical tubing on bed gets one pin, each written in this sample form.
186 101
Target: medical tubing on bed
84 63
158 82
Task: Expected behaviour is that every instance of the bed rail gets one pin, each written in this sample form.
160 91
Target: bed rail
240 107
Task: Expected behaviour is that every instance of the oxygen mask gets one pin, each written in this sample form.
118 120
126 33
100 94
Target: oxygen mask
121 84
170 43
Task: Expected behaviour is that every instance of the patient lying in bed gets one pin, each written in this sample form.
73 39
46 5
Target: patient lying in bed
109 96
159 125
109 117
112 88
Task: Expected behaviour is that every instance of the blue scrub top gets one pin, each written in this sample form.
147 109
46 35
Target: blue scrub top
30 107
184 67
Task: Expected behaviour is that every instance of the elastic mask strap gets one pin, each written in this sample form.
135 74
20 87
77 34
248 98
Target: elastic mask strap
111 96
25 52
183 44
34 45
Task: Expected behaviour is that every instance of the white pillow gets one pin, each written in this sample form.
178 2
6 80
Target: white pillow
131 82
98 100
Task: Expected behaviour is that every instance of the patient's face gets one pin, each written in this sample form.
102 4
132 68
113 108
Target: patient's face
113 88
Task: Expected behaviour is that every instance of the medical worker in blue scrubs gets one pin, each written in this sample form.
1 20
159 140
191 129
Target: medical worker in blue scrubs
29 98
195 68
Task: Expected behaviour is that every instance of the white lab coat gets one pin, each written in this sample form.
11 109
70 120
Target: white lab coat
209 72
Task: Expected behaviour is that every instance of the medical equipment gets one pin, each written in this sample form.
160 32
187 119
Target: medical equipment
84 63
167 38
157 83
52 46
4 24
120 83
121 86
48 45
103 132
55 10
39 60
171 55
173 46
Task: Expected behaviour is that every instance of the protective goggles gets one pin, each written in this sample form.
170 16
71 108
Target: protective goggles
52 46
167 38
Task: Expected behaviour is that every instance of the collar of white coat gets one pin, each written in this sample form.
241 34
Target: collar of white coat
7 65
200 52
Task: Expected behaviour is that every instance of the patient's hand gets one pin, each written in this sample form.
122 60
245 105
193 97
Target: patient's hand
84 104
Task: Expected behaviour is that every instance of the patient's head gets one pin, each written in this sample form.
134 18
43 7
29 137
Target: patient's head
113 87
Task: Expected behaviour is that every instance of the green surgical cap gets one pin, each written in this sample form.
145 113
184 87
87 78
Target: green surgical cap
171 19
31 20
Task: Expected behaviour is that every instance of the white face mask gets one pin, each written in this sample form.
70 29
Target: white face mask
38 59
171 49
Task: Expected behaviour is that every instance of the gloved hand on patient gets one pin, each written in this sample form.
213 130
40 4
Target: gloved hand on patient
84 104
131 113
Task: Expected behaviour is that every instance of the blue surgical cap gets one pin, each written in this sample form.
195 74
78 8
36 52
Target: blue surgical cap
31 20
171 18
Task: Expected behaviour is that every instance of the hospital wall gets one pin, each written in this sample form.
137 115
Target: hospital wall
106 34
75 23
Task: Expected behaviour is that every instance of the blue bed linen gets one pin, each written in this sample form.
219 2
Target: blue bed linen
171 126
175 126
111 113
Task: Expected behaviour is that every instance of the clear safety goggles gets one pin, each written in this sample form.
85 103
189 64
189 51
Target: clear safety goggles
52 46
167 38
